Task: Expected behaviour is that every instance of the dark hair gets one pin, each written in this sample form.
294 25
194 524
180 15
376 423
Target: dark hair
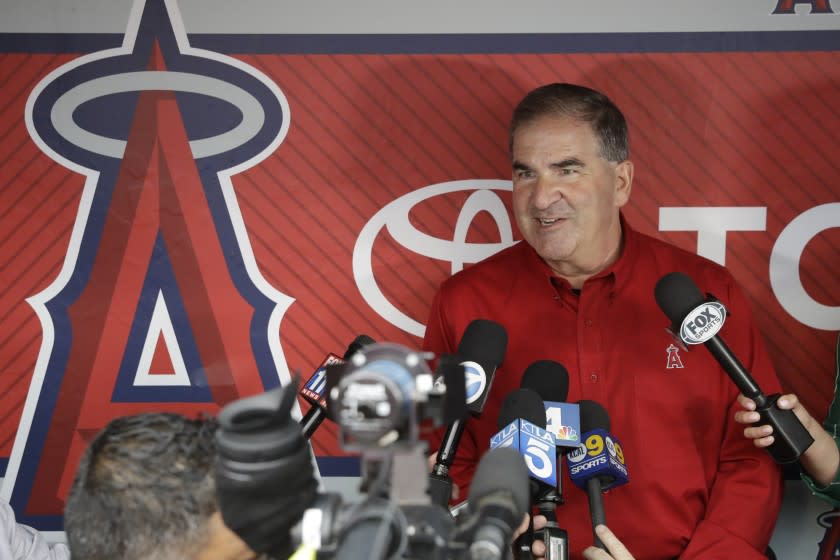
144 489
581 103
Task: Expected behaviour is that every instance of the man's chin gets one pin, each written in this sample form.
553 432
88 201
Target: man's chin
553 255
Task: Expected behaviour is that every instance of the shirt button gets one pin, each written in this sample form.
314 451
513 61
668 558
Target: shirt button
588 322
594 378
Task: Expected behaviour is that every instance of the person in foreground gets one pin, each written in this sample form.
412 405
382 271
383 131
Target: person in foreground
579 291
145 489
821 461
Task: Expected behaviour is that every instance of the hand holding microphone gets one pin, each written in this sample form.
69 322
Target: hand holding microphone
522 423
598 464
697 320
821 460
551 382
615 549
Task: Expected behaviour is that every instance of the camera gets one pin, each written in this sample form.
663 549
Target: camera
378 398
382 393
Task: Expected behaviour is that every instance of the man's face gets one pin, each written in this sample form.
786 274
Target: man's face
566 196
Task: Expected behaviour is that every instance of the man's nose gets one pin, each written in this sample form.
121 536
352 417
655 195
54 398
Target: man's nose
546 192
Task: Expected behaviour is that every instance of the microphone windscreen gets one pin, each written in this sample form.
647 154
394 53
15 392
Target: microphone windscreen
455 400
525 404
484 342
677 295
502 469
593 416
548 378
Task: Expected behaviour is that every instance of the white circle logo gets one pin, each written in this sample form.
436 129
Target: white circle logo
395 218
475 379
577 455
610 446
703 322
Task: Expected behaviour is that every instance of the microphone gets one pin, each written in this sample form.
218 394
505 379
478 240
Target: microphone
697 320
550 380
315 388
480 352
522 427
263 470
598 464
499 496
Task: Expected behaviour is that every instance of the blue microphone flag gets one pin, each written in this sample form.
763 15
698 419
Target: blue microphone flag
536 446
600 455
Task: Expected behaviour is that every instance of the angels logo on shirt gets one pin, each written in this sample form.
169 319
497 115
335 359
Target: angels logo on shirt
674 360
159 304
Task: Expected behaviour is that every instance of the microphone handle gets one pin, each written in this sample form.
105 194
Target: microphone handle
736 371
791 439
596 507
311 420
450 442
440 483
556 542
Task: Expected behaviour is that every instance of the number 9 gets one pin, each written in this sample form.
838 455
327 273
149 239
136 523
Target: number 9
595 445
619 453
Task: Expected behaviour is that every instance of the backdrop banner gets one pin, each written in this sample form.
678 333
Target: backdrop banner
199 198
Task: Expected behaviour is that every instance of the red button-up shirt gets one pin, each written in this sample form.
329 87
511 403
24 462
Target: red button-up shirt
698 488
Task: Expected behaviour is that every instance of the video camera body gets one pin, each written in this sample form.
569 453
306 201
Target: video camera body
378 398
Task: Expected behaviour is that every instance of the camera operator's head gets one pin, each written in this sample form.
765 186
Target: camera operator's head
145 489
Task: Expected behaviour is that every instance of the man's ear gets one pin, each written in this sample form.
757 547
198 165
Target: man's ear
623 182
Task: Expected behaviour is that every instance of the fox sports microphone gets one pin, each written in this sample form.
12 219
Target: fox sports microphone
480 351
598 464
314 389
499 496
697 320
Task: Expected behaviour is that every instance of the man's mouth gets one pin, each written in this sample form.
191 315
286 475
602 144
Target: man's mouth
548 221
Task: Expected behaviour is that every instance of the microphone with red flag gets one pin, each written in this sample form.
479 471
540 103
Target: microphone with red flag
314 390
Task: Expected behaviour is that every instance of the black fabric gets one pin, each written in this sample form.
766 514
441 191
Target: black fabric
261 506
265 478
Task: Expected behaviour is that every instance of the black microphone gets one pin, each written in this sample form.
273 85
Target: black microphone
550 380
315 388
522 423
499 496
697 320
598 464
480 351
